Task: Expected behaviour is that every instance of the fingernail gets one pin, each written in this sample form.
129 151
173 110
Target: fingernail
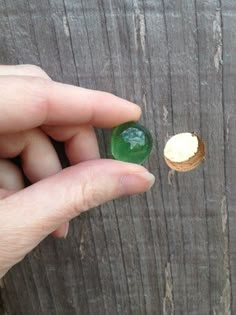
66 230
150 178
137 182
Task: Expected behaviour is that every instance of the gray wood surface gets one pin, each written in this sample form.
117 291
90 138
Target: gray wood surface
172 250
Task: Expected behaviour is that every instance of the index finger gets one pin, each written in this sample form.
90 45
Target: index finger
28 102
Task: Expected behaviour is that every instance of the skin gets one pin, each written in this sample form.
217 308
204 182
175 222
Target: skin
33 109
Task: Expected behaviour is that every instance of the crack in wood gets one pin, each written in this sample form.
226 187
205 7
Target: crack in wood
168 303
217 36
224 306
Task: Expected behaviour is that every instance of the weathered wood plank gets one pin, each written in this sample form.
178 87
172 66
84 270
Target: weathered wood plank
210 44
229 101
172 250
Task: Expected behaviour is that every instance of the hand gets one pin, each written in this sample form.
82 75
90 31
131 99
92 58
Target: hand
32 109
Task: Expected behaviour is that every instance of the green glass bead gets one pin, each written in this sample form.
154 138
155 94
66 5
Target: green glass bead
131 142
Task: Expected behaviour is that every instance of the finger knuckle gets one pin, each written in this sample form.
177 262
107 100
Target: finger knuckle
88 197
85 199
39 88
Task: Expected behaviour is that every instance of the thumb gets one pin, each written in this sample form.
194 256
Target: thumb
30 215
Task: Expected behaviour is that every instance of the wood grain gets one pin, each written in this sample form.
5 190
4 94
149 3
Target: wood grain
172 250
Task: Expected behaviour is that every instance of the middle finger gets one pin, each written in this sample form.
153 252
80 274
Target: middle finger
80 141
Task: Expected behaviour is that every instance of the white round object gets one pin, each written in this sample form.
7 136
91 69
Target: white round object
181 147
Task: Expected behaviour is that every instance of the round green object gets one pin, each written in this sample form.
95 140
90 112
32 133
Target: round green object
131 142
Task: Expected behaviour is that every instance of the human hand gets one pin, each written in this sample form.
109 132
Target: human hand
32 109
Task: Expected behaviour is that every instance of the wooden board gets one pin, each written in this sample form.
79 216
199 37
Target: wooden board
172 250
